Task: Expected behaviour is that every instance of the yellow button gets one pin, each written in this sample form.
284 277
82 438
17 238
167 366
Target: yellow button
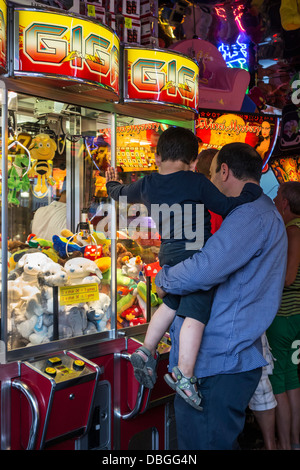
50 371
54 360
78 364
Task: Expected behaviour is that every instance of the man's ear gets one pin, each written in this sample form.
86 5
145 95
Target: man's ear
284 203
224 171
157 159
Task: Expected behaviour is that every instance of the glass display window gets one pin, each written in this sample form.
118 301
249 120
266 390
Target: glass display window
78 262
137 239
55 287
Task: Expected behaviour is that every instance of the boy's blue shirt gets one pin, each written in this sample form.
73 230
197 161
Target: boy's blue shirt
182 188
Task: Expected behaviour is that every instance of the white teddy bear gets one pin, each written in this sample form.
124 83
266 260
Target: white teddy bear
98 311
31 298
26 285
73 319
82 271
52 275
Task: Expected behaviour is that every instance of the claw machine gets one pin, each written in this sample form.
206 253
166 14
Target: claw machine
78 269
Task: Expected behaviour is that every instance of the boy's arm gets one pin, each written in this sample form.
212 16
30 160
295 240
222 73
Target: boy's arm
217 202
115 188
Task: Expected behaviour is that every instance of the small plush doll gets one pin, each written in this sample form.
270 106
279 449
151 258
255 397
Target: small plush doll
17 178
290 14
42 150
133 267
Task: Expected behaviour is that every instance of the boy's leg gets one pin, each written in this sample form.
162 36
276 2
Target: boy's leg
183 380
189 344
143 359
195 308
159 324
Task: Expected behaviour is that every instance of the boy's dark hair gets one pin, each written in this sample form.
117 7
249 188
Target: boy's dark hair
177 143
242 159
290 190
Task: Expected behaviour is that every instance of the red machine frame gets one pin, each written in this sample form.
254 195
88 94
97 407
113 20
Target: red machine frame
40 411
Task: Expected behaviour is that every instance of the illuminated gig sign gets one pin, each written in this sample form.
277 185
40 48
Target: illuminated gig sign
167 77
3 36
60 45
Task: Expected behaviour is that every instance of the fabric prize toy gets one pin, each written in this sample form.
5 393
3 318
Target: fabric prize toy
18 173
43 149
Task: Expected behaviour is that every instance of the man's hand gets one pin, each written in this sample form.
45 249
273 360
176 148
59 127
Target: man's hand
111 174
160 292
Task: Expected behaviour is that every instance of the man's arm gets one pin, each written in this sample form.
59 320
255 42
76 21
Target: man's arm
238 240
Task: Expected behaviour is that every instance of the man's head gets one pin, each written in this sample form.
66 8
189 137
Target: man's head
287 200
235 165
177 144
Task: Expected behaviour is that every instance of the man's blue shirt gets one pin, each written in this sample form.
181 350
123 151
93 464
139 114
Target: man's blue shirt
246 258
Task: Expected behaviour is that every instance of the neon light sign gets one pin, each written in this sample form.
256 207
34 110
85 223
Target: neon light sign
235 55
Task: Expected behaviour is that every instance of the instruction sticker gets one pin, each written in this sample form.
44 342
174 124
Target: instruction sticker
69 295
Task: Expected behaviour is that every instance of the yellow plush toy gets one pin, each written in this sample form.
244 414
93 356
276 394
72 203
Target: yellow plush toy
290 14
42 149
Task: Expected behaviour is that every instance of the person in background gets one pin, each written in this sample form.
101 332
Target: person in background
205 158
50 220
246 261
284 333
263 402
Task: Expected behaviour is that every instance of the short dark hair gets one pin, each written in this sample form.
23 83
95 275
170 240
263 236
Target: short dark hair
290 190
178 143
242 159
205 158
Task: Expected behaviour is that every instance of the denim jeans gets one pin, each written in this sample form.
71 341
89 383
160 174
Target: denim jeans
217 427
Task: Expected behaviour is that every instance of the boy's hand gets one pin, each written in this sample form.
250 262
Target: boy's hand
111 174
160 292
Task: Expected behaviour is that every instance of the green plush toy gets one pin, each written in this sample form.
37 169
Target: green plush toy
17 178
122 280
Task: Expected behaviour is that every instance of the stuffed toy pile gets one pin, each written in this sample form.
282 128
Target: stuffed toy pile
38 266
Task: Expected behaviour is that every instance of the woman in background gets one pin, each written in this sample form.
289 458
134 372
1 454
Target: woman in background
284 333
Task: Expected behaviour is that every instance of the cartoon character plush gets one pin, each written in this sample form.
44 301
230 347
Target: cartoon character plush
18 172
17 178
42 149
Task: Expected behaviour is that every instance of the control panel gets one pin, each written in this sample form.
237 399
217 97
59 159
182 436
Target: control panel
63 367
